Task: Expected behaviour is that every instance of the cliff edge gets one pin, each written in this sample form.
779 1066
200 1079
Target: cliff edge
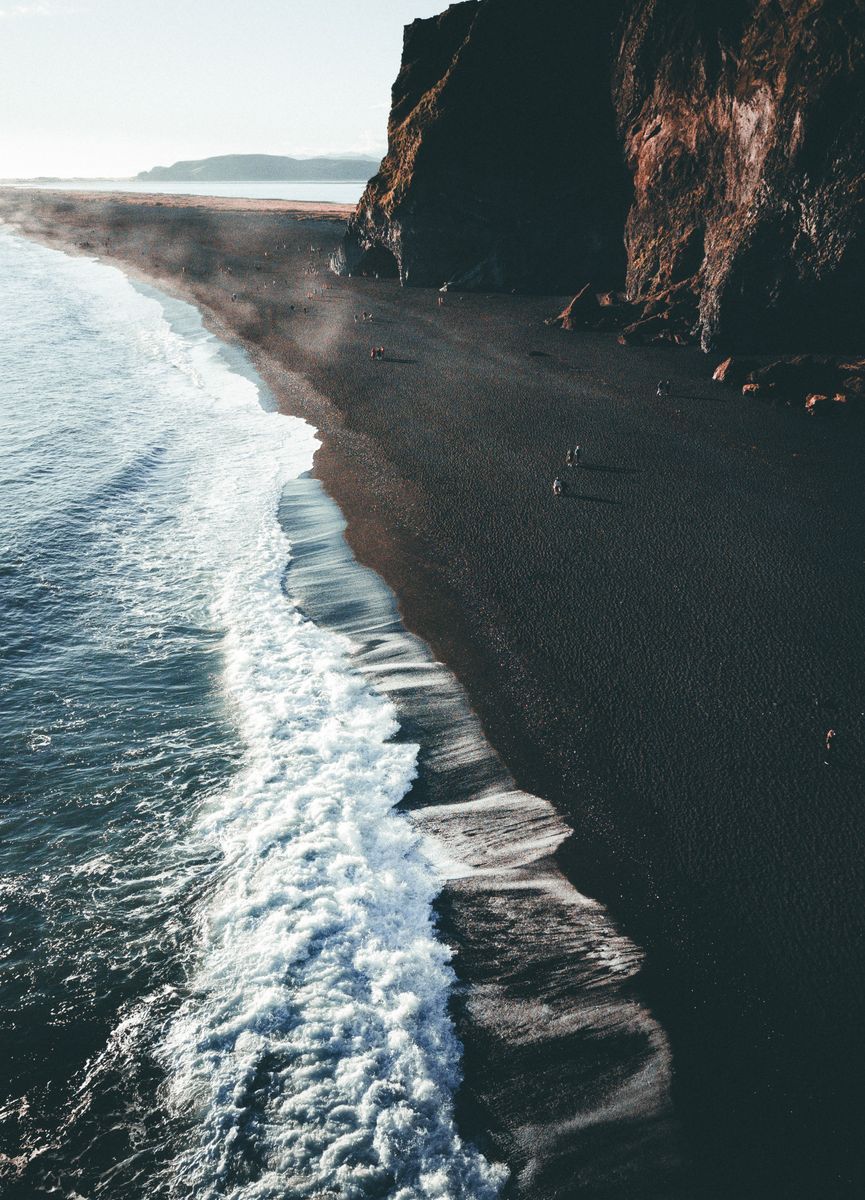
704 153
503 169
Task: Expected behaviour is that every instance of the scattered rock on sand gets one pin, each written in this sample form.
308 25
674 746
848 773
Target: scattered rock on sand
825 385
667 317
733 371
798 376
818 405
638 333
580 312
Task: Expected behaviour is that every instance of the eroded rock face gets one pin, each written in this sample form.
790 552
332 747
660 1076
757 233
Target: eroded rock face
503 168
733 168
743 122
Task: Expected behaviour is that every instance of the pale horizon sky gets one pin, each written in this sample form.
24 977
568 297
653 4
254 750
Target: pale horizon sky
112 87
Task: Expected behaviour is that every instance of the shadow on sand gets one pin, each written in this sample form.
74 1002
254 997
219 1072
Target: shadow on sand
610 470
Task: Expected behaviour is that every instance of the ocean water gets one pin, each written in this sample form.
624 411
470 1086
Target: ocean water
336 192
219 971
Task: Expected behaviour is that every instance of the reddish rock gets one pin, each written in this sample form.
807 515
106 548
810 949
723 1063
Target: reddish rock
853 386
647 327
744 128
604 312
818 405
733 371
751 389
580 312
796 377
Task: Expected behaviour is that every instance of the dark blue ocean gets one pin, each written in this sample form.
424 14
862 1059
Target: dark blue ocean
219 975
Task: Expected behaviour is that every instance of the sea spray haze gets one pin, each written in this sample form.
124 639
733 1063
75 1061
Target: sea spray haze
220 974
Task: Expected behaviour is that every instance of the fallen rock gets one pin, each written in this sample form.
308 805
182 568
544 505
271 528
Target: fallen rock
733 371
819 405
608 299
800 375
853 386
640 332
580 312
604 313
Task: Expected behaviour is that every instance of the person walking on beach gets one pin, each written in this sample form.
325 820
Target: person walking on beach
578 450
830 738
558 486
570 461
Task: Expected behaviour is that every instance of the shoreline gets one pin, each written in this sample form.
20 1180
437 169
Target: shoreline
389 489
490 841
316 208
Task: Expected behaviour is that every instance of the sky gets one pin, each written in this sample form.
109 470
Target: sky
111 87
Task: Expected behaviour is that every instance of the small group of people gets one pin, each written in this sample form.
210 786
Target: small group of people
572 459
376 352
364 316
665 387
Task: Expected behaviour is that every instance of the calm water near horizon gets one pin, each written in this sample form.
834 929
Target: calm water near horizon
218 964
347 192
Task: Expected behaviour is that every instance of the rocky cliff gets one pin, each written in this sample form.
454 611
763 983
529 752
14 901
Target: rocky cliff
743 125
503 168
712 151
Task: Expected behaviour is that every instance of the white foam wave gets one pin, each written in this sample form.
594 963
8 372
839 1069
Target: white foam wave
315 1051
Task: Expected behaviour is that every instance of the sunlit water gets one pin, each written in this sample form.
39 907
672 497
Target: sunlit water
345 192
219 971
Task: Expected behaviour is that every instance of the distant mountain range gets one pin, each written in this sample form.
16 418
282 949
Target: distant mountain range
265 167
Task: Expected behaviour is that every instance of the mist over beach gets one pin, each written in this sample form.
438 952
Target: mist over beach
431 684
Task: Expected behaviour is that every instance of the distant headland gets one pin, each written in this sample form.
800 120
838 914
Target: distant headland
265 167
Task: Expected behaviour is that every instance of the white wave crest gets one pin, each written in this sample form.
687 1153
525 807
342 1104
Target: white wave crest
315 1052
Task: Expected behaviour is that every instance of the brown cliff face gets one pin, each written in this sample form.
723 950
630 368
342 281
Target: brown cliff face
495 103
741 124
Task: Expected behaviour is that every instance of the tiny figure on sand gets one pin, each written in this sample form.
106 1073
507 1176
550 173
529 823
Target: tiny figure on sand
830 738
558 486
665 387
376 352
572 458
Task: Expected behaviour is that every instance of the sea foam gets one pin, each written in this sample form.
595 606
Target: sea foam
315 1049
312 1053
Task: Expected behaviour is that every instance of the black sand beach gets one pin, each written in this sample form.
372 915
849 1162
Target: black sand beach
659 652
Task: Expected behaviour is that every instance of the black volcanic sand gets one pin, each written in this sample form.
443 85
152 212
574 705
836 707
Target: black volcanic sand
660 652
